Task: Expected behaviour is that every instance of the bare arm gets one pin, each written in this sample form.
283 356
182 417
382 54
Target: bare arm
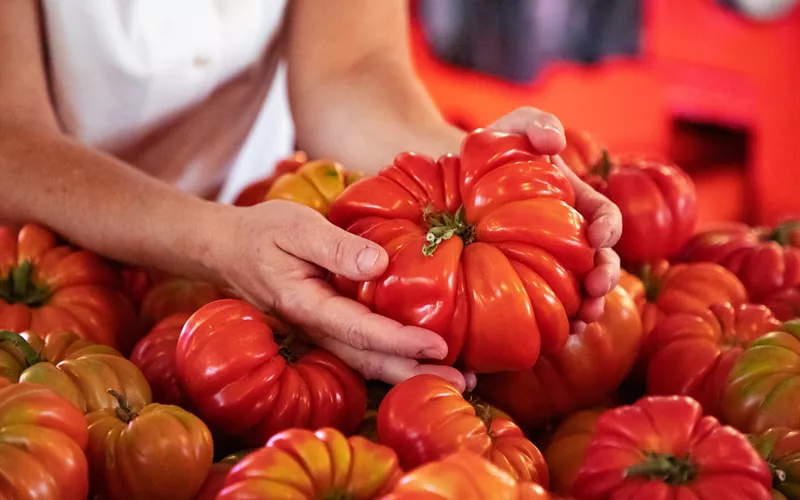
91 198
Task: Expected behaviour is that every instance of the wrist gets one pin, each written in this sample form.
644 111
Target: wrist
207 240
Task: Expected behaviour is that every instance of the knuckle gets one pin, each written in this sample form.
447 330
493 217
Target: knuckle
337 250
355 337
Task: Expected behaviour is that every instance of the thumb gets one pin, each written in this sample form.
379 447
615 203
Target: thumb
314 239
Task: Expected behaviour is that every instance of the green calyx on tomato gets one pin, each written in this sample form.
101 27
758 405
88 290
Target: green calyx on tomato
286 351
124 410
31 356
782 232
18 287
651 285
338 495
603 166
666 468
442 226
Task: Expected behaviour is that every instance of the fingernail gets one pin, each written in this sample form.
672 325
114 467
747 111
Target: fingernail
366 259
431 354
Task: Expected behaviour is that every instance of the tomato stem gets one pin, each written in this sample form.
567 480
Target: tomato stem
124 410
442 226
782 233
19 288
285 349
666 468
603 166
31 356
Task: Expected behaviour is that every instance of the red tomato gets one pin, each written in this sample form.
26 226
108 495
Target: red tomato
241 381
658 204
463 245
425 419
763 388
463 476
566 449
692 354
47 287
215 480
785 304
766 260
304 465
664 448
175 295
153 453
591 365
154 354
42 438
582 152
780 447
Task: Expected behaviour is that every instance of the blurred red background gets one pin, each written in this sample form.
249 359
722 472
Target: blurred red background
710 88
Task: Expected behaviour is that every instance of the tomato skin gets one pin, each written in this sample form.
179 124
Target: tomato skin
425 419
42 438
785 304
255 193
582 152
154 354
766 260
590 366
158 452
763 389
303 464
658 204
238 380
566 448
780 448
708 460
71 290
479 204
692 354
463 476
175 295
78 370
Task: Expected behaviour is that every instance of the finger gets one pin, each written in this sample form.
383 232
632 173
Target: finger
544 130
605 219
592 309
388 368
605 276
316 307
312 238
577 327
471 380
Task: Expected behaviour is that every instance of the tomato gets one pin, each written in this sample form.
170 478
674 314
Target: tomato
215 480
785 304
136 281
658 204
302 464
241 381
154 354
780 447
79 370
47 287
42 438
685 288
567 447
766 260
591 365
463 476
155 452
763 388
175 295
662 447
692 354
254 193
426 418
582 152
463 245
314 184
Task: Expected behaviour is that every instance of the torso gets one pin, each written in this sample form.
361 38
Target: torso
183 89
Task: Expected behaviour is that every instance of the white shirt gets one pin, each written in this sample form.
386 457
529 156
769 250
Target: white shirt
121 68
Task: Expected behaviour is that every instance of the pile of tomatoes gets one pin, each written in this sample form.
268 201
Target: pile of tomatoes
124 383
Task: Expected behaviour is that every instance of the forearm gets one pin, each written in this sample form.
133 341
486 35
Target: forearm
101 203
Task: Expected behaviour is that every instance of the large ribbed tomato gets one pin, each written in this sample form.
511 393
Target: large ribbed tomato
244 383
301 464
780 448
765 259
175 295
48 287
491 231
566 448
692 354
154 354
582 153
77 369
658 204
425 419
785 304
42 438
763 388
664 448
590 366
463 476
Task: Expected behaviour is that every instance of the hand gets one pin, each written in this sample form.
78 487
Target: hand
546 133
277 256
